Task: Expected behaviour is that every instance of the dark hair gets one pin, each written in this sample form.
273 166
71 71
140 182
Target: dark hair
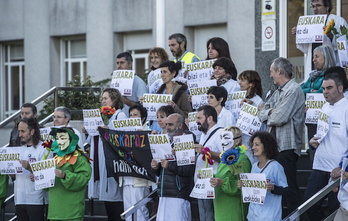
33 125
339 71
228 65
284 65
254 78
208 111
115 96
126 55
160 52
327 3
269 142
218 92
221 46
179 38
172 66
32 106
167 109
141 109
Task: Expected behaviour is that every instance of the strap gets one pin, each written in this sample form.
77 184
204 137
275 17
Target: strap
211 134
266 165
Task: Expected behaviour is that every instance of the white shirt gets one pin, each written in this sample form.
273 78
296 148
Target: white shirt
225 118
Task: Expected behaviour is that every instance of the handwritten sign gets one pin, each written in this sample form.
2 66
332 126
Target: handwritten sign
43 173
314 103
233 102
193 127
248 121
160 147
129 124
184 150
310 29
154 101
122 80
9 160
323 125
254 187
342 51
200 71
45 133
199 90
202 188
92 120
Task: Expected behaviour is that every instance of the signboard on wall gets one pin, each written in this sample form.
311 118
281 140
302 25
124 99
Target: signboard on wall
268 35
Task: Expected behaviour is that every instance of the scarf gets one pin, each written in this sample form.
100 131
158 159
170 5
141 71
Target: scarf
222 79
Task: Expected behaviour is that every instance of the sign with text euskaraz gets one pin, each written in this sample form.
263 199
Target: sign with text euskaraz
127 153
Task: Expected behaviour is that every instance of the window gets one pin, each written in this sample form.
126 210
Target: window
74 60
140 62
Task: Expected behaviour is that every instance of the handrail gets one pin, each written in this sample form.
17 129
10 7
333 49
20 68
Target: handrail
311 201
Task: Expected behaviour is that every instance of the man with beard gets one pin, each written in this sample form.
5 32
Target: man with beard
210 140
177 45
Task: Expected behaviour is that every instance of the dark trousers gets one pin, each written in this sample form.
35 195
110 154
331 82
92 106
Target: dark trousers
316 181
30 212
114 210
311 131
288 159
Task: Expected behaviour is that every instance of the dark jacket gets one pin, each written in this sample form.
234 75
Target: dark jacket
175 181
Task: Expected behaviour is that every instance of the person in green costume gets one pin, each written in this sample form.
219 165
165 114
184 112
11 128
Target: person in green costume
3 189
73 170
228 203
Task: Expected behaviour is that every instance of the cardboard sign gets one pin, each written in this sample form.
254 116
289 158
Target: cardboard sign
154 81
154 101
314 103
92 120
184 150
310 29
202 188
199 90
44 175
45 133
160 147
254 187
248 121
193 127
200 71
342 50
9 160
323 125
233 102
129 124
122 80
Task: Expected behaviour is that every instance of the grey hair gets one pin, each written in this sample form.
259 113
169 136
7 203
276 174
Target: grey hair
329 55
179 38
283 65
65 110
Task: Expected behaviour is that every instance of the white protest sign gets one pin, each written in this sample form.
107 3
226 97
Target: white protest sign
45 133
92 120
254 187
128 124
160 147
9 160
181 73
322 125
198 90
193 127
122 80
154 101
200 71
43 173
248 121
184 150
154 80
314 103
202 188
233 102
310 29
342 50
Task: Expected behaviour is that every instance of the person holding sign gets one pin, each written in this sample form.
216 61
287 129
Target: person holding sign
156 57
250 81
225 73
228 203
332 147
217 48
138 111
162 114
265 148
73 171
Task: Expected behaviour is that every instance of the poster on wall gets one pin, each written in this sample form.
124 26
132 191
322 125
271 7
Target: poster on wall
268 35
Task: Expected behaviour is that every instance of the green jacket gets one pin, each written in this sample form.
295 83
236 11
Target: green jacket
315 85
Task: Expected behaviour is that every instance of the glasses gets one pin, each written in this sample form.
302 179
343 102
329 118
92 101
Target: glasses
57 117
316 6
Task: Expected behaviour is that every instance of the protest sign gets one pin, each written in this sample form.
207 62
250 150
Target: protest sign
233 102
184 150
92 120
254 187
154 101
202 188
198 90
310 29
200 71
314 103
342 51
45 133
154 80
122 80
44 175
127 153
193 127
9 160
322 125
248 121
161 148
128 124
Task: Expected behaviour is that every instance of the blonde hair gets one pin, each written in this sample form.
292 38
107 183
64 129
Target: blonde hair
237 134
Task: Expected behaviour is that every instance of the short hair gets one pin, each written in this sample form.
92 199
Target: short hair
228 65
115 96
172 66
329 55
126 55
221 46
141 109
31 105
179 38
166 109
237 133
254 78
218 92
327 3
160 52
33 125
283 65
269 142
340 72
65 110
208 111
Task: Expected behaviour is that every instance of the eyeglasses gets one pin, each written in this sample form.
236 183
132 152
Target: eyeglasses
316 6
57 117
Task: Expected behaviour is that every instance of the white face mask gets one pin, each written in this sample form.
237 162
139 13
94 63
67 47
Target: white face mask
226 140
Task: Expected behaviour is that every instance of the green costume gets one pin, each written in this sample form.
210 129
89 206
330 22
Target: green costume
3 189
228 200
